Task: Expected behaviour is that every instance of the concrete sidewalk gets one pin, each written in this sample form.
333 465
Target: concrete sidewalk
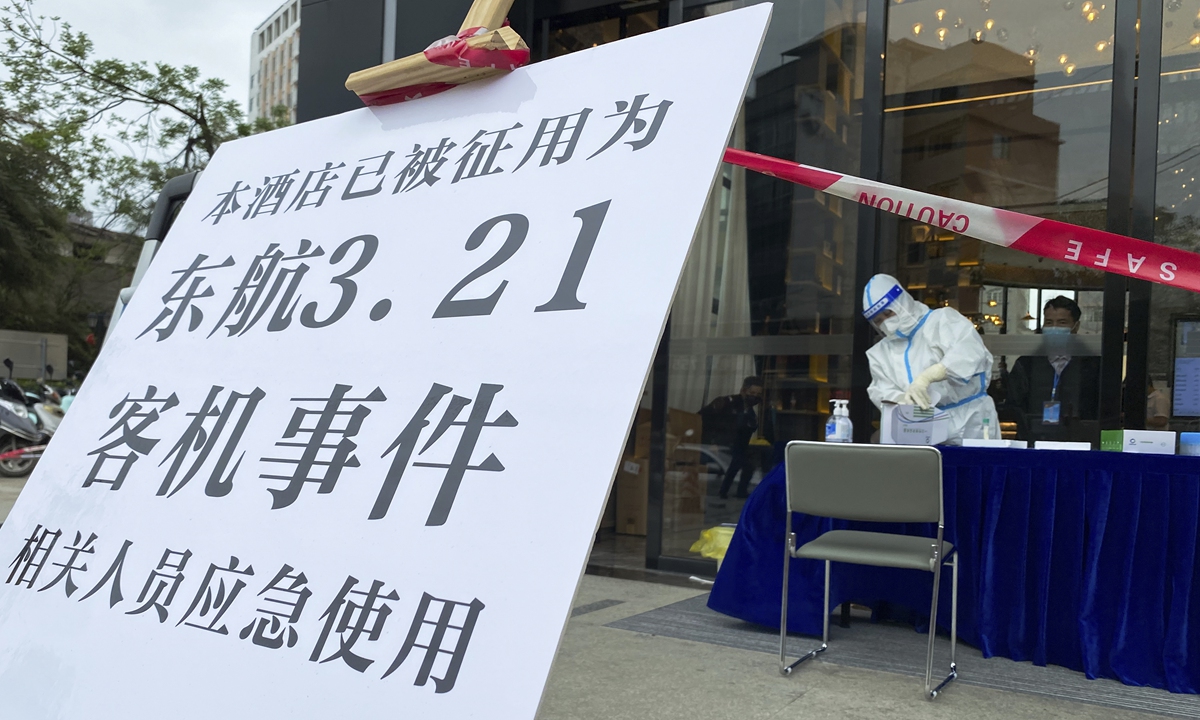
604 673
10 488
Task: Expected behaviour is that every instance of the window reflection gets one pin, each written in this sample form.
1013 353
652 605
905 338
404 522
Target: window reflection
582 30
1007 105
768 289
1174 369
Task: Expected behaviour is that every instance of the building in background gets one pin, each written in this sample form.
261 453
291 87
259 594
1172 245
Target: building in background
275 62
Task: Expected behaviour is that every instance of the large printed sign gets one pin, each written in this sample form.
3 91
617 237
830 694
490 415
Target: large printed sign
346 451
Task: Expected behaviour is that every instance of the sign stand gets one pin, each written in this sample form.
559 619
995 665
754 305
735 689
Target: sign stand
483 48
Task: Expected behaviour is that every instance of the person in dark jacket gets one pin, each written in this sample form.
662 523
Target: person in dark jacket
1059 396
740 417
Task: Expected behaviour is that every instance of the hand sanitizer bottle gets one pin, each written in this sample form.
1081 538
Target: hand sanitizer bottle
987 430
839 428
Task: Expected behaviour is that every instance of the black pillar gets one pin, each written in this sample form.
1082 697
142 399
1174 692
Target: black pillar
337 37
866 261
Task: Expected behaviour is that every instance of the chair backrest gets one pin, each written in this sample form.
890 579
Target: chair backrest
873 483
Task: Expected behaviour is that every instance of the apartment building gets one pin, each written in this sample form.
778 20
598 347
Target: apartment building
275 62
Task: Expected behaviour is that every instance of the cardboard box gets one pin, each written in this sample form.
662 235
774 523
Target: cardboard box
683 490
1147 442
910 425
632 487
682 428
683 499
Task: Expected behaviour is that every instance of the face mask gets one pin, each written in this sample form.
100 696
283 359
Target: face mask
1056 331
891 326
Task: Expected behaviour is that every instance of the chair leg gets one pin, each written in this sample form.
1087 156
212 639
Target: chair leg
825 630
783 606
933 608
954 618
785 668
953 632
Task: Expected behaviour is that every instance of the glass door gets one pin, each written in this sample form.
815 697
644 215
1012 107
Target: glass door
1006 104
762 325
1173 316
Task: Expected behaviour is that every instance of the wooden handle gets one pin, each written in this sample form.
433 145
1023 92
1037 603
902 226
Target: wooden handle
409 71
503 39
417 70
488 14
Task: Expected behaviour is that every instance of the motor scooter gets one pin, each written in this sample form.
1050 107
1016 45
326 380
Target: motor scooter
26 425
20 440
46 405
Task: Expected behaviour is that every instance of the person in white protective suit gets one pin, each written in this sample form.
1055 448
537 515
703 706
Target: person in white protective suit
926 353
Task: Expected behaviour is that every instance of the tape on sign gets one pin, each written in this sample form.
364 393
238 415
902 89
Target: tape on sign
454 51
1046 238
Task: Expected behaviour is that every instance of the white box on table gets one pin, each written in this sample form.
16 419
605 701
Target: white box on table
910 425
1148 442
981 443
1061 445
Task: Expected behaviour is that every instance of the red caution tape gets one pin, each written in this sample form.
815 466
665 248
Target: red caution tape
1038 236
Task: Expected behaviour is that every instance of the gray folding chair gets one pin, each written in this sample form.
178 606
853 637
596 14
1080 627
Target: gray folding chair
869 483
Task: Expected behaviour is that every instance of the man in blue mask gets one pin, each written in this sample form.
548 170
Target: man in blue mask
1058 394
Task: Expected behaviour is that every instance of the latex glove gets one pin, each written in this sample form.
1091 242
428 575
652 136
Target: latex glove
918 391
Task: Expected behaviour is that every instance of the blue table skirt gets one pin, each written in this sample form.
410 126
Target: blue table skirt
1085 560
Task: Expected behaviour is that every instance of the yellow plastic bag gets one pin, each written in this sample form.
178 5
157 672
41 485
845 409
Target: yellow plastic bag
714 542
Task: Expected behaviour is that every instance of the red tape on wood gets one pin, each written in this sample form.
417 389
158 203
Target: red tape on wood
454 52
404 94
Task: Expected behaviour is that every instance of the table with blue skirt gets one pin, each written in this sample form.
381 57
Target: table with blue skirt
1081 559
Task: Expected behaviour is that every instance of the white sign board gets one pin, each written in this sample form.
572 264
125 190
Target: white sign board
346 451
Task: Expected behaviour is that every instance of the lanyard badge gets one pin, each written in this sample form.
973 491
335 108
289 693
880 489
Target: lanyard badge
1052 409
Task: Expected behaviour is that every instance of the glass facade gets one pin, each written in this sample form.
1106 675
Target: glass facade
1173 368
767 297
1025 105
1004 104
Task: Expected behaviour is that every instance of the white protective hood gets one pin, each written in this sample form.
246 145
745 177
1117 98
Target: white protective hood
884 293
917 337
